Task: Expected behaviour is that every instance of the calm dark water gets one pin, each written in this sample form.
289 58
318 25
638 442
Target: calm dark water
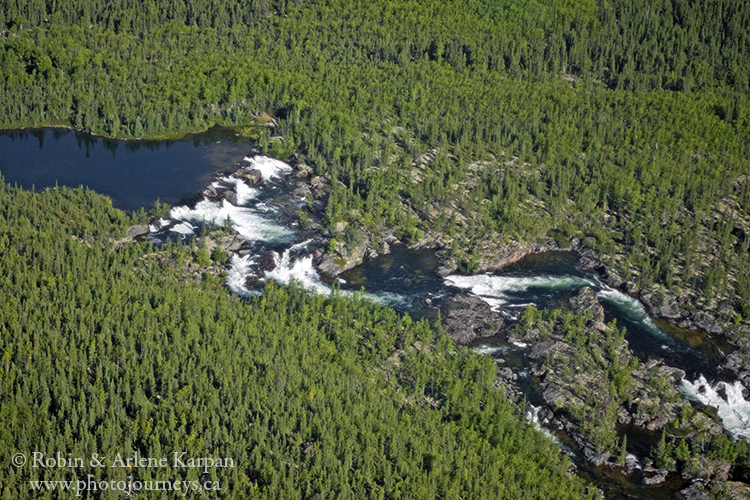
407 281
134 174
403 279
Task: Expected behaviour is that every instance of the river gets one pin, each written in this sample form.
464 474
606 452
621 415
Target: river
137 174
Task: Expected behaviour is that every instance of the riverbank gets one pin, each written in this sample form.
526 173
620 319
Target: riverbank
250 130
651 402
582 404
583 383
302 206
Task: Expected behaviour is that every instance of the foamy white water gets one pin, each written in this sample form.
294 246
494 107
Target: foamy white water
496 290
244 192
245 221
631 307
156 226
488 349
390 299
255 225
184 228
239 270
532 418
300 269
268 167
732 407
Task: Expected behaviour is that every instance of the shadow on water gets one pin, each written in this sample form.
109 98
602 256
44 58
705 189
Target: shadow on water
134 174
403 279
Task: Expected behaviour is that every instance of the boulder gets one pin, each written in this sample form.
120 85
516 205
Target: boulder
596 459
651 477
506 373
137 230
230 196
467 317
252 176
210 193
694 492
234 244
542 350
328 267
303 170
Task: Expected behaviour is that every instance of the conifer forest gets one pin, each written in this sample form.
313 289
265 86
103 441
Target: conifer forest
618 130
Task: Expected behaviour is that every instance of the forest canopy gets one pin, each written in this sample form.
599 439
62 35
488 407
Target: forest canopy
621 124
117 351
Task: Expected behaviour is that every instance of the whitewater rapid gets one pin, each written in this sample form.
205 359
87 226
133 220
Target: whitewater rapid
631 308
728 399
514 292
256 220
505 290
248 220
252 218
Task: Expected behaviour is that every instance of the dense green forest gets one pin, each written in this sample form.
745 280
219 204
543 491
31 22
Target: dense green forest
111 351
622 124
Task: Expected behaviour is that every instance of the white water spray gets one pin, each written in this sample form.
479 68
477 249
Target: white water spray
631 307
732 407
246 222
269 167
240 268
498 290
489 349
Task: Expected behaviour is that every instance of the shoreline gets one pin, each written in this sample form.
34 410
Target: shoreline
177 136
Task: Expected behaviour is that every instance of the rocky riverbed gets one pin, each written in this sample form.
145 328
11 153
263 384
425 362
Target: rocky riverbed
592 387
591 384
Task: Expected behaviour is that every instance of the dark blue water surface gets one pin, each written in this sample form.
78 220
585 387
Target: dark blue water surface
406 280
134 174
137 173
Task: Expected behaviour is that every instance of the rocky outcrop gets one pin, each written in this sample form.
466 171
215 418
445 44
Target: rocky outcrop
136 231
230 196
587 304
331 266
328 267
678 307
263 119
678 310
652 476
500 256
303 171
251 176
694 492
590 380
467 317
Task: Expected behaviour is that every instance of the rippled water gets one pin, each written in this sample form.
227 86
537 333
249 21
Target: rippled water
136 174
